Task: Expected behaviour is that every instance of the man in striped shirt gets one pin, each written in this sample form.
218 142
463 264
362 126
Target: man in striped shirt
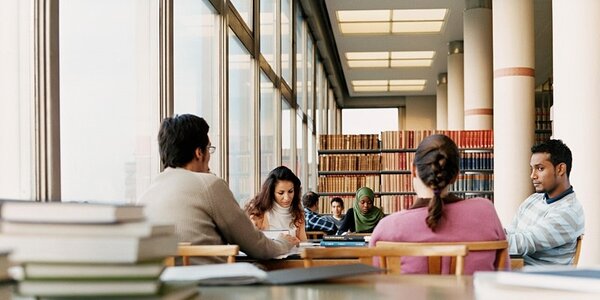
314 222
545 229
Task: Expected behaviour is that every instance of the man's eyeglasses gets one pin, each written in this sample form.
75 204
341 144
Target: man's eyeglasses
211 149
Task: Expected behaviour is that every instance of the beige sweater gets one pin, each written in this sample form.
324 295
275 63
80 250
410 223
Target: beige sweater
205 212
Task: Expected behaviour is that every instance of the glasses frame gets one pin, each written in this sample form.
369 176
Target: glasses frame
211 149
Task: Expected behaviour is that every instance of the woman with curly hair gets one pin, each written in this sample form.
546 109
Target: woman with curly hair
439 216
277 205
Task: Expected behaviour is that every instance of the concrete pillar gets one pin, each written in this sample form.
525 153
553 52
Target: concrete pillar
478 64
514 104
456 107
442 102
576 106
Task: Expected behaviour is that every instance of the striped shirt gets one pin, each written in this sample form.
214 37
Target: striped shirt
544 231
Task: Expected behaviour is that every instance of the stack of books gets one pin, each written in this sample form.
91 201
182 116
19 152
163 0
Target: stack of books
88 250
348 240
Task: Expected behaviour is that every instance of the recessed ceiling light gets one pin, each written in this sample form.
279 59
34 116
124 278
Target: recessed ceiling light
369 63
365 28
369 82
377 88
408 82
417 27
368 55
412 54
410 63
419 14
406 88
382 15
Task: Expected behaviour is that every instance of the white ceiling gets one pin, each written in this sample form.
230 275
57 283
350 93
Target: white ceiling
438 42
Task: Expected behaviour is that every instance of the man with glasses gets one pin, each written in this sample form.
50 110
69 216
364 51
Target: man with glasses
200 204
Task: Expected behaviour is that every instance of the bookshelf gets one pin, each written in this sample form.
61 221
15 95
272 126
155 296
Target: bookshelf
543 118
385 167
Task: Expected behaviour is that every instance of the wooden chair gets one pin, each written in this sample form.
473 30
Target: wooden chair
314 235
366 255
501 248
577 251
185 251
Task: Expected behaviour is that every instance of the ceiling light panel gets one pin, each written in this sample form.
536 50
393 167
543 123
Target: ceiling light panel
406 88
365 28
383 15
408 82
369 82
417 27
369 63
412 54
377 88
367 55
419 14
399 63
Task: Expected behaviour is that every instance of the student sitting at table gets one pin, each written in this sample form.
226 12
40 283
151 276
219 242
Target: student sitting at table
439 216
199 203
337 211
277 205
315 222
363 216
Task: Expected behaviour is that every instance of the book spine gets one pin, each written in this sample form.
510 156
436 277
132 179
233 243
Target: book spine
343 244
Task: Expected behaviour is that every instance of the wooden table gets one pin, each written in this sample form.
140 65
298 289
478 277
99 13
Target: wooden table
371 287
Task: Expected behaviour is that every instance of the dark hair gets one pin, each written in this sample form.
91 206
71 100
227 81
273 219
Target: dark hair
338 200
263 201
437 162
179 137
559 153
309 199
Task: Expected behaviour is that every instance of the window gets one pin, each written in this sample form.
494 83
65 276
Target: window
310 78
379 119
268 127
196 67
286 41
312 166
109 96
300 148
16 98
241 121
286 134
300 66
268 31
244 8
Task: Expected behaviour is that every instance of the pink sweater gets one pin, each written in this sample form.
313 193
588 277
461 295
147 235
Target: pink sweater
468 220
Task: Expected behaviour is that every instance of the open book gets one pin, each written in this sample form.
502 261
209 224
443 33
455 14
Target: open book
246 273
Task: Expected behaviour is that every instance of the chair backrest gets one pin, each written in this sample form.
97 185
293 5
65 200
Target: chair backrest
577 251
185 251
501 248
366 255
315 235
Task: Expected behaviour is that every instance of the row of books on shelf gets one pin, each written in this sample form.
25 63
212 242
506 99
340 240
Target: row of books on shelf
349 162
88 250
345 141
410 139
542 118
477 182
403 161
351 183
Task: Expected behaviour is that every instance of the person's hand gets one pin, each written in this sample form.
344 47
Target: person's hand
290 239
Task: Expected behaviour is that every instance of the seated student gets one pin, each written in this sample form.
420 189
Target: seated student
200 204
277 205
314 222
545 229
337 211
438 216
363 216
